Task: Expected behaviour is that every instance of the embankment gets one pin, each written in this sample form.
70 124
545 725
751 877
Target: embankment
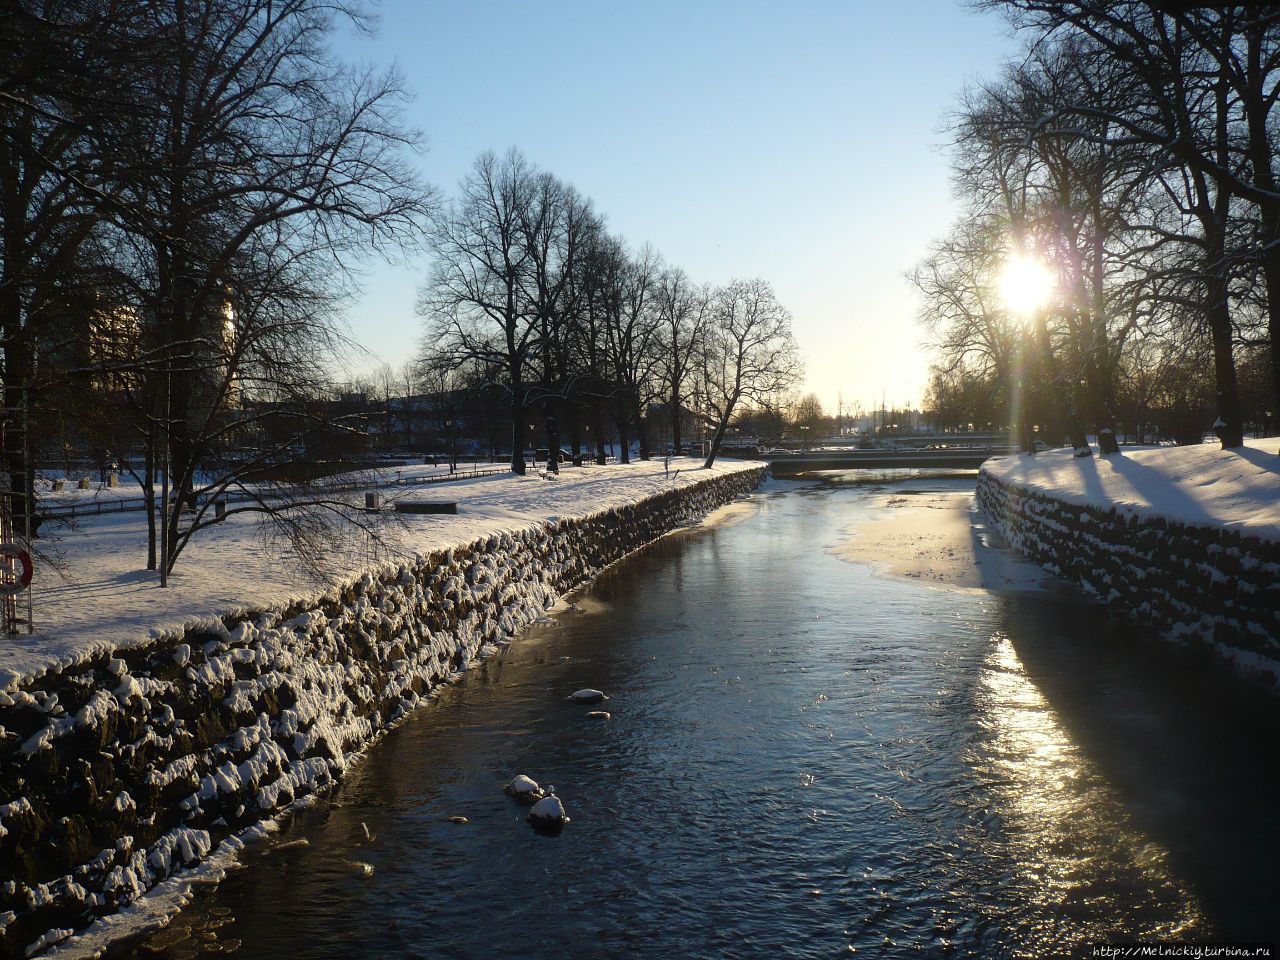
1208 583
129 768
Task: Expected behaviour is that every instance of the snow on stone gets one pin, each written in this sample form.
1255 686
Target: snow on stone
1197 485
523 788
1186 540
102 600
548 811
587 695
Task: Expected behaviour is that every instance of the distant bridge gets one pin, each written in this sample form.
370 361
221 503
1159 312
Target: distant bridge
939 458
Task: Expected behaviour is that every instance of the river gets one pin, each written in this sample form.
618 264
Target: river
806 758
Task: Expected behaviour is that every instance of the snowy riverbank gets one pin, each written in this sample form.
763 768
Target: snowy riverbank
101 599
1196 486
147 731
1186 539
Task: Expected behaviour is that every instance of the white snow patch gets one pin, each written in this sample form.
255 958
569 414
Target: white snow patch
1198 485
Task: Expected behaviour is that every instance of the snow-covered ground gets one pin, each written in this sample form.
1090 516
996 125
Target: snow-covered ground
1198 485
101 598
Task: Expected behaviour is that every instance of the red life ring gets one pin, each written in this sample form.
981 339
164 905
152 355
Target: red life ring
23 579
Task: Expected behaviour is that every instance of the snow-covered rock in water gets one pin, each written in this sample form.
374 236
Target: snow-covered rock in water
586 695
599 715
524 789
548 812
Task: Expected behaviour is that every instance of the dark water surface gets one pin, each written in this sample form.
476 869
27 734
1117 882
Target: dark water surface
804 760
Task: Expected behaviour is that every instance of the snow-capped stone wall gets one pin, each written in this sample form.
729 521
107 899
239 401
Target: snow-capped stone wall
1208 584
121 772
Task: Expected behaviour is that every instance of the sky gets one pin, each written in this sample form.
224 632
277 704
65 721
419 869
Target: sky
797 140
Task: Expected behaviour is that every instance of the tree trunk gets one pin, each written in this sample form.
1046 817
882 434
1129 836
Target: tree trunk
575 433
642 428
676 440
1271 273
597 424
17 374
716 440
1103 391
624 438
553 434
1257 105
149 498
1229 425
1051 388
517 426
1022 371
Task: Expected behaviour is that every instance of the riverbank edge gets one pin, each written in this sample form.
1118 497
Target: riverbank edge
130 769
1201 584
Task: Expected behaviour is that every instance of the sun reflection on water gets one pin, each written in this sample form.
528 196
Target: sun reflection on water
1083 871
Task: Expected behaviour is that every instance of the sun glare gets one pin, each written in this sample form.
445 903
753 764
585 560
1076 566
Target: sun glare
1026 284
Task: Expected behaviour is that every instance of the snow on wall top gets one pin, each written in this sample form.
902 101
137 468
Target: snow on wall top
1198 486
102 599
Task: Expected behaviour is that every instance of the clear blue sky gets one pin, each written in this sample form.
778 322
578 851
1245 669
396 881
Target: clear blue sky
795 140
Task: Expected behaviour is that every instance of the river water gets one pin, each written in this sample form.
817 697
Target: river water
805 759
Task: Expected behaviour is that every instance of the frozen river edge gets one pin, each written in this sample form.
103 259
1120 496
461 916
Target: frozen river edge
132 772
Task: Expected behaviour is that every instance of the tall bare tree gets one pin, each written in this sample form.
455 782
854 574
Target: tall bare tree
258 168
683 310
476 302
64 84
747 354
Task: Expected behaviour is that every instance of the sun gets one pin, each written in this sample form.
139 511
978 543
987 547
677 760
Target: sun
1026 283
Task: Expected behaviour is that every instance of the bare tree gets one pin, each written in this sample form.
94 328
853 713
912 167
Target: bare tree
64 69
258 167
807 416
748 353
476 302
683 310
631 338
556 228
600 268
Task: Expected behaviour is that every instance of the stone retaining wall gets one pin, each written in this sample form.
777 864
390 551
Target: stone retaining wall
123 771
1212 585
